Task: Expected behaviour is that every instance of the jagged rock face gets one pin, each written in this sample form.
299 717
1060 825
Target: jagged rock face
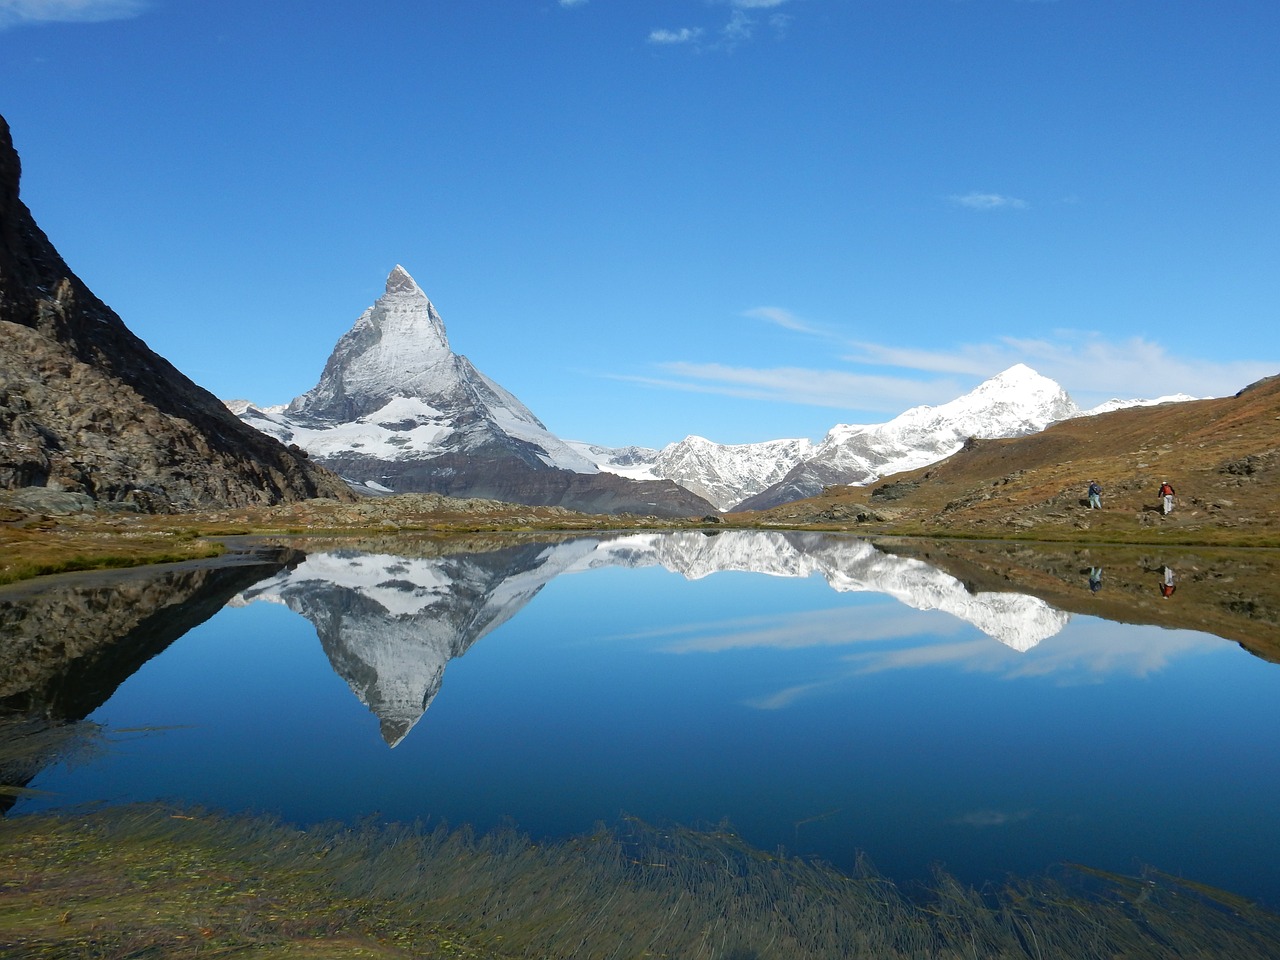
397 408
87 407
1014 403
728 473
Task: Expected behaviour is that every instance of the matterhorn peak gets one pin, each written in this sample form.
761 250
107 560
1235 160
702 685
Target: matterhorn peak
399 281
397 348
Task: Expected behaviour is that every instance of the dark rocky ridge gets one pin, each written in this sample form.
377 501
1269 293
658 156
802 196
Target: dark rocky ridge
86 406
504 471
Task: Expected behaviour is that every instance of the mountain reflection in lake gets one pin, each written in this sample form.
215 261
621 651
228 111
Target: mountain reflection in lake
818 692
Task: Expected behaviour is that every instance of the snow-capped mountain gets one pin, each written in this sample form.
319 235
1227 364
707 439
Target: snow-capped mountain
725 474
1011 404
396 409
390 625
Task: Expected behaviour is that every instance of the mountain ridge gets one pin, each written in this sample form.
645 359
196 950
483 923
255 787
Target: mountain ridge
752 476
1015 401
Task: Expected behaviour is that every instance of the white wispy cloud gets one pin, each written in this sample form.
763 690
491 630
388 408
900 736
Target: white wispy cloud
786 319
988 201
744 17
14 12
683 35
802 385
572 3
739 28
869 379
1091 367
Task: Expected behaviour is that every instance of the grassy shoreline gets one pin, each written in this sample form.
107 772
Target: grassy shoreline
150 881
51 546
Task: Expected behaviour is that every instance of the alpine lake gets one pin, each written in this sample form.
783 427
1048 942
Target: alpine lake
985 710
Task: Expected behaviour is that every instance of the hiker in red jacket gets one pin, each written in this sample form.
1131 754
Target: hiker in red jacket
1166 494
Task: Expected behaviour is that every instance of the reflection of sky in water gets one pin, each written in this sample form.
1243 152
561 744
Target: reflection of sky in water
885 636
827 722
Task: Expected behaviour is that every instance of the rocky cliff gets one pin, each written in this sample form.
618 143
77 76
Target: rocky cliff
87 407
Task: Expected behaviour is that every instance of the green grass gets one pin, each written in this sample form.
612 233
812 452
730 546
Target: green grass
22 569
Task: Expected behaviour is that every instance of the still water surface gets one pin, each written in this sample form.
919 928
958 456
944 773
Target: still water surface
820 694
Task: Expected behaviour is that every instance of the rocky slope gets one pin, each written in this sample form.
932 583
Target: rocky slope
397 410
87 407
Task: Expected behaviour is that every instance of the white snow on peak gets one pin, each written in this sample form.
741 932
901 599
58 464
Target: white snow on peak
1117 404
398 346
724 474
393 389
242 407
1013 403
400 283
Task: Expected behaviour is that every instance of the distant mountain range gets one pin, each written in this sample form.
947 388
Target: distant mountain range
397 411
756 476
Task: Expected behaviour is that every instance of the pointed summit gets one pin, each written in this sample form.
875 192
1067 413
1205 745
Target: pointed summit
1017 400
399 281
397 348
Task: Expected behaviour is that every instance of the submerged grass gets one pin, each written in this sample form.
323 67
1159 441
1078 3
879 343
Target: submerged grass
147 880
150 881
38 551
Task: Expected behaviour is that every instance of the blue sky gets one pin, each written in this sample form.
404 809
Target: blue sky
744 219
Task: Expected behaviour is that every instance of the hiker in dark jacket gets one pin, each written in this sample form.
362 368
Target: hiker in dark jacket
1095 495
